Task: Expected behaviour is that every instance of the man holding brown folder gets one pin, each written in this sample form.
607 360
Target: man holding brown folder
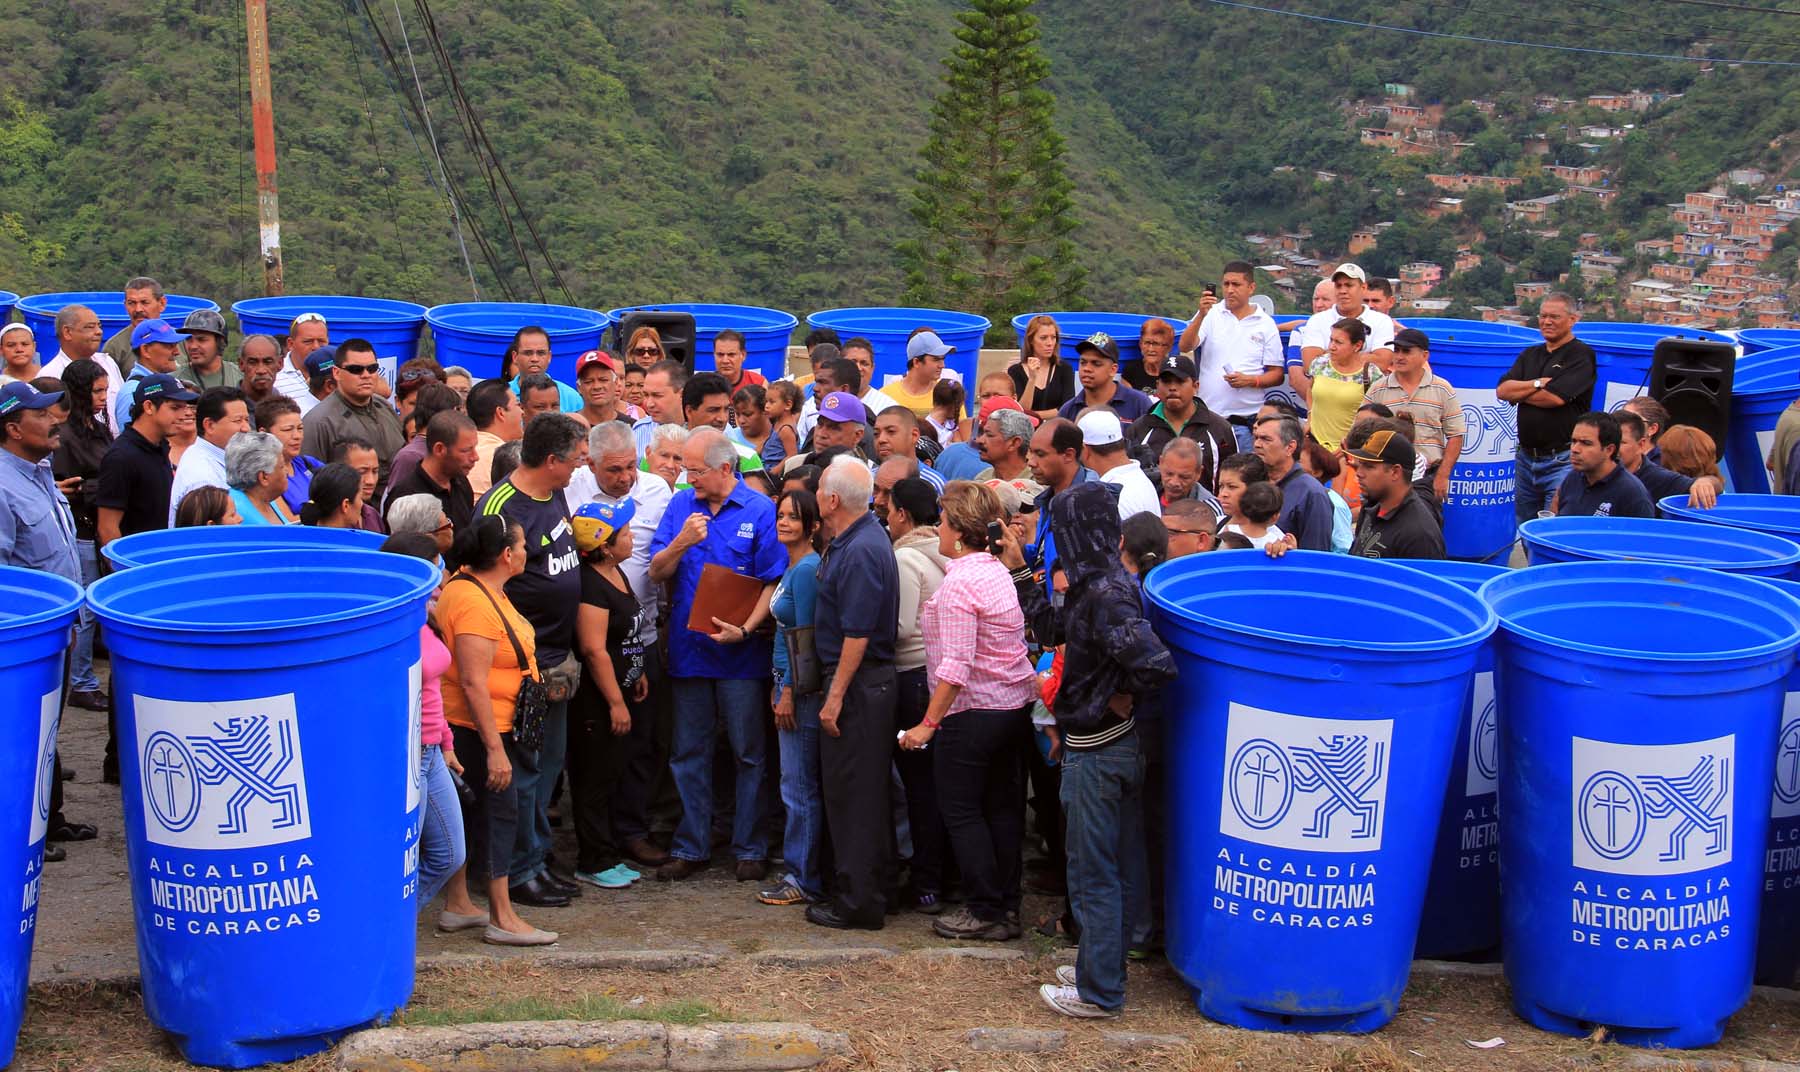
717 544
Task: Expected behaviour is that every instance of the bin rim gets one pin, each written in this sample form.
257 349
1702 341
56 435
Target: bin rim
1589 574
964 321
1546 530
264 563
778 319
1324 563
381 310
442 315
369 541
67 592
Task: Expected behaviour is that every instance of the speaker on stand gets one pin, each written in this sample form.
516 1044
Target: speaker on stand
1692 379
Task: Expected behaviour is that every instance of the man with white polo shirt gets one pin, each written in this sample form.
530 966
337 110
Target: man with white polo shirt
1103 450
1352 290
306 333
1237 351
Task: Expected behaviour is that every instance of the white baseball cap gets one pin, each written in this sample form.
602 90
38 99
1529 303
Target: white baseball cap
1101 428
1350 270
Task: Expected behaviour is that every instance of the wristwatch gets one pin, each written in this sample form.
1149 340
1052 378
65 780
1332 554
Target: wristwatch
1538 384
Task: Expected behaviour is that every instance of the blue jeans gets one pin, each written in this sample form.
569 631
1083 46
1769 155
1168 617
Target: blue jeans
803 797
1102 798
534 777
1535 481
701 703
1244 434
81 667
441 846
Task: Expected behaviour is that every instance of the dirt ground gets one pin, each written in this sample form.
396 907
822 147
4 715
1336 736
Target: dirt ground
904 1012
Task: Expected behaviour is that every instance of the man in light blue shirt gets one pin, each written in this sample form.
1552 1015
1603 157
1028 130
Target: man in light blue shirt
156 346
531 353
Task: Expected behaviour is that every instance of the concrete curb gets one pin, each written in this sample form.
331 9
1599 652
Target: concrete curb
568 1045
818 958
651 960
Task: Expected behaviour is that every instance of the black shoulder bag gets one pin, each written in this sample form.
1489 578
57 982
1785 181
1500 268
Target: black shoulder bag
532 706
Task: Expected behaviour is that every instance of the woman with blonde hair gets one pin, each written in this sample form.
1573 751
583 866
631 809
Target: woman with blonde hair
646 347
1042 381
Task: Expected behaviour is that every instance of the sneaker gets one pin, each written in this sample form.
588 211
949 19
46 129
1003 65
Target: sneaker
964 925
627 869
1067 1000
783 893
609 879
623 873
1065 974
928 904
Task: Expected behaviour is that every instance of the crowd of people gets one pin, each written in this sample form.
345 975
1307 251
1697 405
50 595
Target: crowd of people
875 633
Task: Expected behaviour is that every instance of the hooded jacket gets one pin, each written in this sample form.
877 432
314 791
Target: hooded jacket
921 572
1109 647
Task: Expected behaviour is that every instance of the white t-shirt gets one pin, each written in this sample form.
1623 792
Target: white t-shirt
202 465
1136 494
292 383
115 381
1317 330
1228 343
1259 542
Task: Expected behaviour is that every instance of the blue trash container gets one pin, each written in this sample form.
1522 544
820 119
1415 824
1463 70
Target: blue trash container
1623 353
1778 939
37 610
1646 539
164 545
268 731
1787 355
1308 752
39 310
7 300
475 335
1639 706
888 330
1759 396
1757 340
392 327
1472 355
1462 899
1074 327
766 332
1775 514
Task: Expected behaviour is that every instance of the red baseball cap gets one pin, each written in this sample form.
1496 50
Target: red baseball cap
998 403
595 357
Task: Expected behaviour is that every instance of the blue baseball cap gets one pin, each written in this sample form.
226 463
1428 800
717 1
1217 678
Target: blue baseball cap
842 407
164 386
156 331
595 523
926 342
21 395
320 360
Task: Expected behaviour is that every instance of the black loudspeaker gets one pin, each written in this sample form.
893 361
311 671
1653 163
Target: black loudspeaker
676 329
1692 379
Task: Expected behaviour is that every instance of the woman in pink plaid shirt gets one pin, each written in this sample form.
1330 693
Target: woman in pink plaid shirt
982 688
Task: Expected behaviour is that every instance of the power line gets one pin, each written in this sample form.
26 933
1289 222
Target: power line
431 136
1738 7
1503 41
374 142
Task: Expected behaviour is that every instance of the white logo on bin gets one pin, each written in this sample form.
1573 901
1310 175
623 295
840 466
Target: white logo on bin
415 778
44 782
1296 782
1652 809
1787 761
1491 427
222 775
1484 738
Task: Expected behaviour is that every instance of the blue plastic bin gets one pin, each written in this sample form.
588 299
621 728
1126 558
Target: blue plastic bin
766 332
1623 353
268 750
39 310
1778 515
1308 747
1778 938
200 541
1757 361
1643 539
1123 327
1639 706
7 300
37 610
1759 396
889 328
475 335
1462 899
392 327
1756 340
1472 355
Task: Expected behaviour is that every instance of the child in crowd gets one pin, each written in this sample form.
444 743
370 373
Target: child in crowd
781 404
633 386
949 415
1254 512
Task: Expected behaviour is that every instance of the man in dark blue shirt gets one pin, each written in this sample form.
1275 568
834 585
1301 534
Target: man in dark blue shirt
723 676
1305 508
1635 445
1597 485
854 624
1100 383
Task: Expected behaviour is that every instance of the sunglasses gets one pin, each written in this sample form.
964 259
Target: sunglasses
644 351
360 370
310 318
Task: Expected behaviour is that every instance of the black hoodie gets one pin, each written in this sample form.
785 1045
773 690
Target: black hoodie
1110 648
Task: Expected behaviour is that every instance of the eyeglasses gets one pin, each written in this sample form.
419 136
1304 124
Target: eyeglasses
445 524
1185 532
360 370
644 351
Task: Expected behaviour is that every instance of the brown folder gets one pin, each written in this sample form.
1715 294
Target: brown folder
723 594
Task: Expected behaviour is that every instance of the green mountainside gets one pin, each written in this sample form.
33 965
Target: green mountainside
761 151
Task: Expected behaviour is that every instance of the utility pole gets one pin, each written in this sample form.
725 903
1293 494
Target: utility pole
262 118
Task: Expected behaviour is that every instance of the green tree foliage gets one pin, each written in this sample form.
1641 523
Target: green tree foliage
993 203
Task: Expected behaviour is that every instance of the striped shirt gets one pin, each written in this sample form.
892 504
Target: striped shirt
975 637
1433 406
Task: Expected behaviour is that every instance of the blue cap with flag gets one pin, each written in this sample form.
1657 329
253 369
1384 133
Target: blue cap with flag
596 523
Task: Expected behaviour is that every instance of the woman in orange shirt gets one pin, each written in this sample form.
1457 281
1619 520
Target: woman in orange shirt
479 692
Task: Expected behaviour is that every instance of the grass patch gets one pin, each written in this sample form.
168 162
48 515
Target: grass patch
582 1007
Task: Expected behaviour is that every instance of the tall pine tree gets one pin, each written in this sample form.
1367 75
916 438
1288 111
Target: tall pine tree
993 203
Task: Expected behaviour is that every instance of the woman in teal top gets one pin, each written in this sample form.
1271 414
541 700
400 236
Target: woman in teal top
257 470
797 713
